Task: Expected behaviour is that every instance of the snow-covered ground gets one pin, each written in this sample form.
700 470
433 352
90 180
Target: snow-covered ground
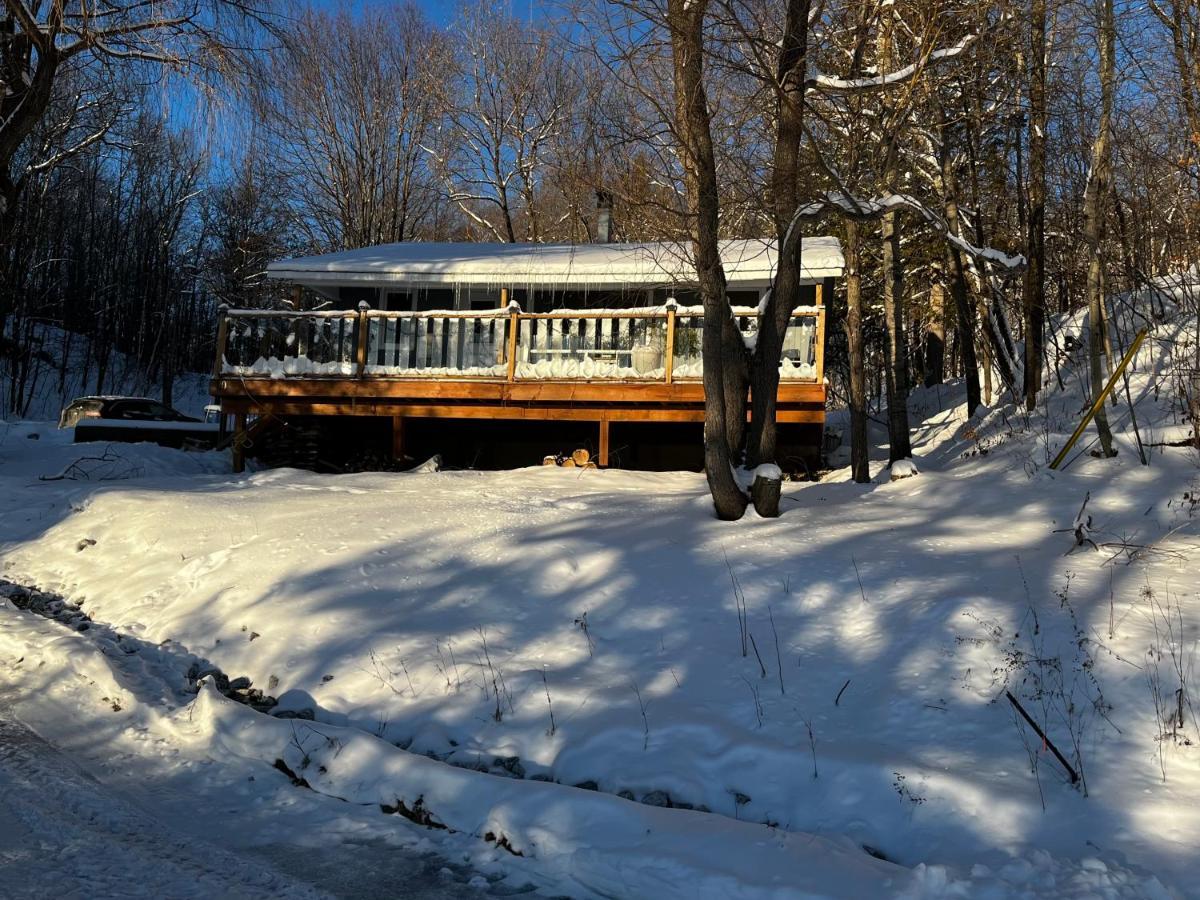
542 660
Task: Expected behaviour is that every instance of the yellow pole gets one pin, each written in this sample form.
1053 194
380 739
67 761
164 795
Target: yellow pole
1112 380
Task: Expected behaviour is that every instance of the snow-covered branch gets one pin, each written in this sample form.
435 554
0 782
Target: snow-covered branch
870 208
834 85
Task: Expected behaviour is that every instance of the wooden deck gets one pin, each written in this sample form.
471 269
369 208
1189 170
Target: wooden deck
602 367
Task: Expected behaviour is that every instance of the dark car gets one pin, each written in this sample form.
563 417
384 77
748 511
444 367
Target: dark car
135 409
133 419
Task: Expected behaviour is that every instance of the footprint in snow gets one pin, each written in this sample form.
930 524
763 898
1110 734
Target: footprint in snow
574 505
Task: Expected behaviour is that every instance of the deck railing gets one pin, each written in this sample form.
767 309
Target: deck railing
658 344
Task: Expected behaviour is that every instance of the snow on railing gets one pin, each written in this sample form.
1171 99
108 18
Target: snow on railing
655 344
279 343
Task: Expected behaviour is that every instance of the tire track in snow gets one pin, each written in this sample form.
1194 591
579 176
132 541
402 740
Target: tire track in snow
63 834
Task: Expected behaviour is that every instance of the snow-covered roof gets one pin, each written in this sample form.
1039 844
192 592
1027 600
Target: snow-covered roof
748 263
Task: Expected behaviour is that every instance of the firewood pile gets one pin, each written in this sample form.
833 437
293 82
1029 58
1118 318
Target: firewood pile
580 459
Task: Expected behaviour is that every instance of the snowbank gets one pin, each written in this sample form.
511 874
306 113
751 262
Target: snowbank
840 671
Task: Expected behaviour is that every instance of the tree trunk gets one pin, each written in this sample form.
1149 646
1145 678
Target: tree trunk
784 295
956 270
896 347
935 331
860 468
1035 272
1094 196
964 319
685 20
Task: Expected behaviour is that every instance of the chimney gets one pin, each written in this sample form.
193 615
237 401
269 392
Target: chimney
603 217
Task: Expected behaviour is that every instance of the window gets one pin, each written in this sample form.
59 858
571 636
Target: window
398 301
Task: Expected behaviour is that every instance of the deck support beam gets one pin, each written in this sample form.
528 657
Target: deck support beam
239 443
602 457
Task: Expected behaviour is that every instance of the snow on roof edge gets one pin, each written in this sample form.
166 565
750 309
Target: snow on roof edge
650 263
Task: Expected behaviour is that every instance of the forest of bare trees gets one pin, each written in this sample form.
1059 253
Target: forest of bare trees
987 166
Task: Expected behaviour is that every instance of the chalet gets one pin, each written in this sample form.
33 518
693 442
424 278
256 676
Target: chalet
603 334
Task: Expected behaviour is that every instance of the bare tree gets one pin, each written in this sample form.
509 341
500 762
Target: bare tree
245 224
42 43
1095 200
346 119
1035 274
896 347
724 368
860 466
509 107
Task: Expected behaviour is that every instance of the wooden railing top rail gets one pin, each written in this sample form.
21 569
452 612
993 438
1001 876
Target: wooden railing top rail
648 312
291 313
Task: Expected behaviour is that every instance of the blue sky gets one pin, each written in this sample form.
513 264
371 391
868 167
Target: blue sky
442 11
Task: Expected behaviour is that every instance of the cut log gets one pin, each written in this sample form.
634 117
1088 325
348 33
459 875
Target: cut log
765 491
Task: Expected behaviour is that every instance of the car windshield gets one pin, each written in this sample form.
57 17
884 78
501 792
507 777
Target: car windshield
141 409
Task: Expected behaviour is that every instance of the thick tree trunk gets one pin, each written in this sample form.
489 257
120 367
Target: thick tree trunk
734 380
1035 272
860 468
1094 197
692 123
785 290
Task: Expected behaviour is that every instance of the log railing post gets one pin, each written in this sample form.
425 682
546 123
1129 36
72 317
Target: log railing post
820 355
819 301
222 339
669 358
514 322
360 349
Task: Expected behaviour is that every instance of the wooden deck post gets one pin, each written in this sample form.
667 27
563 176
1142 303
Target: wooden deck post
239 443
222 339
820 357
398 438
504 343
360 349
514 322
669 364
602 456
